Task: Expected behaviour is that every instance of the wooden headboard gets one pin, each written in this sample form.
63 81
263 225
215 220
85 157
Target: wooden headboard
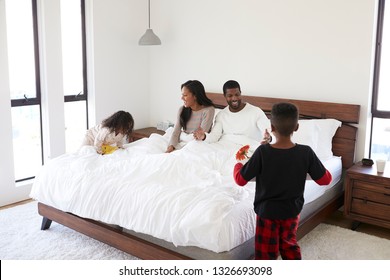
344 140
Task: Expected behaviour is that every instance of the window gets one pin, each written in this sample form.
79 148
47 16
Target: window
24 79
74 71
380 129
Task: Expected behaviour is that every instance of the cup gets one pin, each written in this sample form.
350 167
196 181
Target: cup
380 165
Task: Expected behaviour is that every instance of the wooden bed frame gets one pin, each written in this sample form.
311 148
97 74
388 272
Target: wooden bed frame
343 145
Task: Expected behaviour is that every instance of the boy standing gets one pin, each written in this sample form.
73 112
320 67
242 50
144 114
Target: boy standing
280 170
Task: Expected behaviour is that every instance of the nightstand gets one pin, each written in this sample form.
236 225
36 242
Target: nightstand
145 133
367 195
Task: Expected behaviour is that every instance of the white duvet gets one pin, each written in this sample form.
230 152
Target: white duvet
187 197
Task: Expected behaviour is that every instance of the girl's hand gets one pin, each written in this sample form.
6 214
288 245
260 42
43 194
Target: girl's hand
170 148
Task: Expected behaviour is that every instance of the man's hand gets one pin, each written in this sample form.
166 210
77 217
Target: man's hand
199 134
267 138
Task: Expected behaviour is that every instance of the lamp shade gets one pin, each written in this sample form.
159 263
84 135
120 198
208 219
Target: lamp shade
149 38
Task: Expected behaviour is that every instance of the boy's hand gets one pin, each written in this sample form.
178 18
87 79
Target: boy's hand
242 154
243 161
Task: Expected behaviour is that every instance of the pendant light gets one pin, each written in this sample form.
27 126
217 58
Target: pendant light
149 38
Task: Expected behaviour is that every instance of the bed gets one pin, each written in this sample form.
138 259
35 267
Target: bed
185 205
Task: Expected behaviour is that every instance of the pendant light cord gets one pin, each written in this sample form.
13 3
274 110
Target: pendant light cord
149 12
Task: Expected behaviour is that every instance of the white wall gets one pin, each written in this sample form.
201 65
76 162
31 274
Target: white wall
302 49
120 78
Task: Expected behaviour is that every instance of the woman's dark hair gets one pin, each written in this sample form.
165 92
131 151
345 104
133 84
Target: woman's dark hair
197 89
284 117
120 121
229 85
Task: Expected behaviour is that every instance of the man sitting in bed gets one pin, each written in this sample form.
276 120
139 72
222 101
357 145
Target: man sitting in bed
238 118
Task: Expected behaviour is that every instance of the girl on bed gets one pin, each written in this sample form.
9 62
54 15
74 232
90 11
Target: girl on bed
280 170
112 132
196 112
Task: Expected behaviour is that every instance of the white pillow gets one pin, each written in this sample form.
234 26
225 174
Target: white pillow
217 110
327 129
320 131
307 134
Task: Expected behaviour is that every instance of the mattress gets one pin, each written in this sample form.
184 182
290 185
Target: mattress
313 190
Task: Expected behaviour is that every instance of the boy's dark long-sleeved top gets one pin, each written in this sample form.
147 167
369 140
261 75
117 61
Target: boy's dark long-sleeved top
280 178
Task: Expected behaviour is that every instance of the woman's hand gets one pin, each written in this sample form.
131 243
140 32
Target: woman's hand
199 134
170 148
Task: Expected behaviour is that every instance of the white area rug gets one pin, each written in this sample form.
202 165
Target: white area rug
328 242
22 239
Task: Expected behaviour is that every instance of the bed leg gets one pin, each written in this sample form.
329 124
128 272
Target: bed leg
45 223
355 225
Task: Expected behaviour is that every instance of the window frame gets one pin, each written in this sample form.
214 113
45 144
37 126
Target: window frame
375 113
84 94
37 100
377 64
29 101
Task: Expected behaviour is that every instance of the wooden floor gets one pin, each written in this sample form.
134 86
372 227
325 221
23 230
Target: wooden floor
336 219
15 204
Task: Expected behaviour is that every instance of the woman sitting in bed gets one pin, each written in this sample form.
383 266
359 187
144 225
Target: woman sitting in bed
111 133
196 112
